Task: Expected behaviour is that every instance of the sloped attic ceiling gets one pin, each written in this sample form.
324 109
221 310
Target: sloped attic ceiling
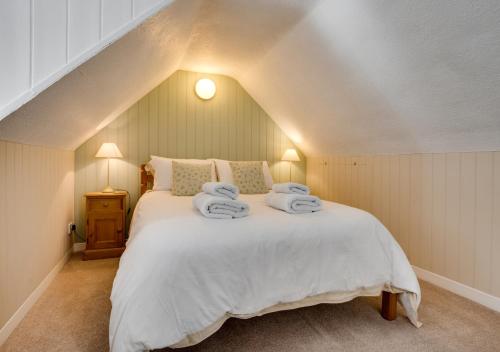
338 76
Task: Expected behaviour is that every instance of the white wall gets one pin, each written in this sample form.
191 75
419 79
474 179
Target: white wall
36 204
443 208
42 40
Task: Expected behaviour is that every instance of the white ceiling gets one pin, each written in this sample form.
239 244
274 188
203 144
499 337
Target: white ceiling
358 76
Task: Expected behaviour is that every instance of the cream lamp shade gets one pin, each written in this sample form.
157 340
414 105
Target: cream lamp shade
108 150
290 155
205 88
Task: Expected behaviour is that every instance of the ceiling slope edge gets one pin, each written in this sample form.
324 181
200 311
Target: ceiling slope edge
95 93
71 60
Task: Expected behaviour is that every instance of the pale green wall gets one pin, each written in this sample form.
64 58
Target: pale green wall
172 121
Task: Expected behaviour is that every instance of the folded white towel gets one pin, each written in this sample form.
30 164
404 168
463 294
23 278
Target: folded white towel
221 189
290 187
293 203
220 207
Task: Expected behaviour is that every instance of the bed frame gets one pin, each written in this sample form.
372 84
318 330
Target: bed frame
389 299
146 179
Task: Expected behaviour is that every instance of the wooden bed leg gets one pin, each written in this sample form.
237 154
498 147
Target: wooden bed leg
389 305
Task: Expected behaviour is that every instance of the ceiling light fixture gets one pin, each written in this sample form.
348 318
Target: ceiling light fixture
205 88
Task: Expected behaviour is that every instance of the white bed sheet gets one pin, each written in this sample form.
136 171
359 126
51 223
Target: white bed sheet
182 272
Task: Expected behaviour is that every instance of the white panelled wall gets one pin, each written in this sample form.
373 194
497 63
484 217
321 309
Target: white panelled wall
36 206
443 209
42 40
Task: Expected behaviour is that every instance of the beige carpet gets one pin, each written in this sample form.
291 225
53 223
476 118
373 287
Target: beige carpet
73 313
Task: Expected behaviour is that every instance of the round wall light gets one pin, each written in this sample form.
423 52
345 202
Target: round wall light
205 88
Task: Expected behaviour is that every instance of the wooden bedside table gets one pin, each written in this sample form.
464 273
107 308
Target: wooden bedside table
105 225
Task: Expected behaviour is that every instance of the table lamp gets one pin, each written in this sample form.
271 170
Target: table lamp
108 150
290 155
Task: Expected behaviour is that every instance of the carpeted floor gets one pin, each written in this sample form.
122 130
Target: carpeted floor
73 314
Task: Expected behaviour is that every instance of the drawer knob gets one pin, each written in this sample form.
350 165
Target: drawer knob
105 204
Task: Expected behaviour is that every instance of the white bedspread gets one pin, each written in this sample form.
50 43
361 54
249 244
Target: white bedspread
182 272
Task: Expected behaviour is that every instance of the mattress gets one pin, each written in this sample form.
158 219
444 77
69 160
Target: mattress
182 275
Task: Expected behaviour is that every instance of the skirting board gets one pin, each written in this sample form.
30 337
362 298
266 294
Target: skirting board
16 318
79 247
457 288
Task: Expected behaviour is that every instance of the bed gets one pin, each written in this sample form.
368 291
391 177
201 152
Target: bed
182 275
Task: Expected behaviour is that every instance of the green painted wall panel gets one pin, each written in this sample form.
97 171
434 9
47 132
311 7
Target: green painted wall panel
172 121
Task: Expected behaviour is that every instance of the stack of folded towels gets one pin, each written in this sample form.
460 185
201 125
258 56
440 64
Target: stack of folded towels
293 198
219 200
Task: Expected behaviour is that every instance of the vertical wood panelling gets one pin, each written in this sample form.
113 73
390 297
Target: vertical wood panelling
83 26
495 248
172 121
394 192
403 212
14 62
332 190
443 209
452 210
50 30
49 38
190 117
115 14
142 5
385 190
415 240
467 217
3 229
377 186
438 213
180 117
484 219
172 108
426 219
36 183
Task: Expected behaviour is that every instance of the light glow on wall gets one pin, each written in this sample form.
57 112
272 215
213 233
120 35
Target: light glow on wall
295 136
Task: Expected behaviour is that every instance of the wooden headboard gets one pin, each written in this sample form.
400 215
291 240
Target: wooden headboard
146 179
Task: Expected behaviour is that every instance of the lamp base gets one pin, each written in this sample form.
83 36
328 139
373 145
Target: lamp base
108 189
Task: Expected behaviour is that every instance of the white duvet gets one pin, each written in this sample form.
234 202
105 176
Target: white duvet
182 273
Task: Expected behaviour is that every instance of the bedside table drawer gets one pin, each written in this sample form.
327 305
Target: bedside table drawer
104 204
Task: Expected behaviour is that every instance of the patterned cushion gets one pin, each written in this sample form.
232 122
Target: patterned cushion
249 176
187 178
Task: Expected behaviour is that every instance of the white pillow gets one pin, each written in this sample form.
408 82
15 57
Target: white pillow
161 168
226 175
267 175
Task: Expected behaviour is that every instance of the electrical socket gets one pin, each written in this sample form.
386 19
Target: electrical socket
71 228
